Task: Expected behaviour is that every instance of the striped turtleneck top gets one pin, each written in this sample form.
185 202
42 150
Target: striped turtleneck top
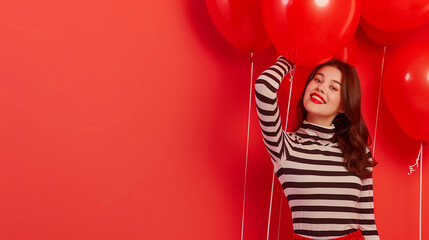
326 200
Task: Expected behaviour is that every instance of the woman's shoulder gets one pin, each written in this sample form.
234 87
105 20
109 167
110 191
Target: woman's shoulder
293 136
290 134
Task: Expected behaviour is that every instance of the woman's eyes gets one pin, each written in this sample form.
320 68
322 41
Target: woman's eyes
320 81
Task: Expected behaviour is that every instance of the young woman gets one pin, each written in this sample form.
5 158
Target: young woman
324 166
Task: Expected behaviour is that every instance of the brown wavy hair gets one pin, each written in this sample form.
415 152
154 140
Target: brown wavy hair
351 132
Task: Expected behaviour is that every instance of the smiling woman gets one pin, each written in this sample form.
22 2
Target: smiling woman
324 166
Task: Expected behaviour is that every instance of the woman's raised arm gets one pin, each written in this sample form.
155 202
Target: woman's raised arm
266 87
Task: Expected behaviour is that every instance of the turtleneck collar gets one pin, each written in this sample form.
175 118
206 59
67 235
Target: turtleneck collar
324 134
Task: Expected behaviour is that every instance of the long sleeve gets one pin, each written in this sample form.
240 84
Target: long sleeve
266 87
366 210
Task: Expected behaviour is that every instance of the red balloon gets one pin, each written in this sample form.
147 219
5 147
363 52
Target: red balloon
396 15
395 37
406 88
240 22
310 32
350 53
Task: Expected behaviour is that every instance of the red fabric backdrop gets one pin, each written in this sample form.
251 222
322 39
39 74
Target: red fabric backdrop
128 120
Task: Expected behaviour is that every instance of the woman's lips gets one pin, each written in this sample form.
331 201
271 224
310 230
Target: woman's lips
316 98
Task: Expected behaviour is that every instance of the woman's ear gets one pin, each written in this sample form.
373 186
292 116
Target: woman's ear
342 110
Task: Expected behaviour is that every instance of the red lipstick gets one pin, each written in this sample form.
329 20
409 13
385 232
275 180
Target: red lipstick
316 98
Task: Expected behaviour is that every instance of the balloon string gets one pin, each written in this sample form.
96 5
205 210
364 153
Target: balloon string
421 190
247 143
292 73
280 216
271 204
412 169
378 101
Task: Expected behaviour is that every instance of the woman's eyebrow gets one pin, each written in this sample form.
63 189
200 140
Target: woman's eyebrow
336 82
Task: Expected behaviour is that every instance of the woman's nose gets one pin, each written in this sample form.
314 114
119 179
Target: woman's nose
320 89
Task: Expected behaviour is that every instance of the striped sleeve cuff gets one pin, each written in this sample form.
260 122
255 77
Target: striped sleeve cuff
283 60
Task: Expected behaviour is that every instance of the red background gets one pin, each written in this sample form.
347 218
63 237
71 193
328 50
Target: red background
128 120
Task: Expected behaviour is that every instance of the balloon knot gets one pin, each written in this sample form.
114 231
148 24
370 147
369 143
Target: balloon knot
251 57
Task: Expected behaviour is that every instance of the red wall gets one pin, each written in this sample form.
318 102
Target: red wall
128 120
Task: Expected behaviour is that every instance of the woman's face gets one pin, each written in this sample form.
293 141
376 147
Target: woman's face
322 97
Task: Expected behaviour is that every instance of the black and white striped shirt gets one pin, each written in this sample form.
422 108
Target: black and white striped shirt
326 200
